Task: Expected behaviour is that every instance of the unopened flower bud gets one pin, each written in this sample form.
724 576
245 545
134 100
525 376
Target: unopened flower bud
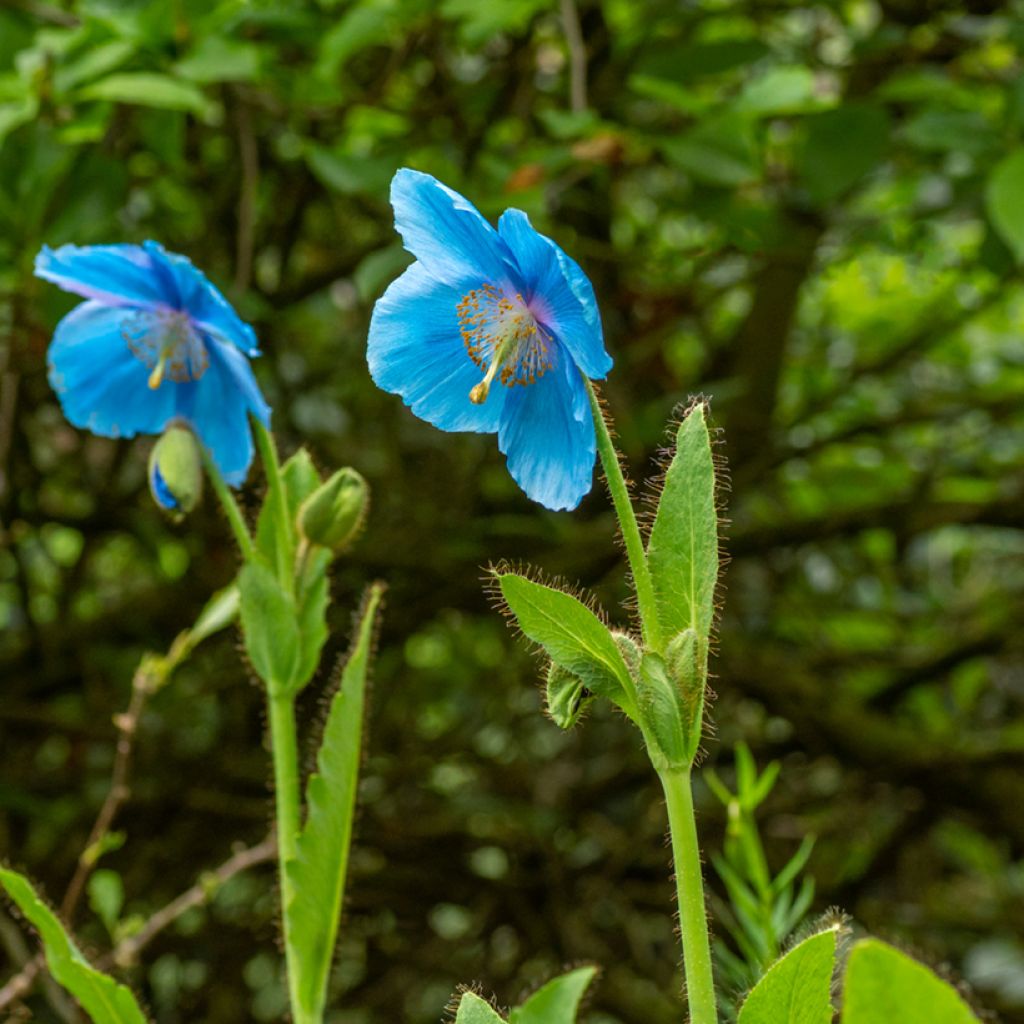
333 514
176 471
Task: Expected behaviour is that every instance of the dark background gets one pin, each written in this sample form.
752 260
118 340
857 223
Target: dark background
811 213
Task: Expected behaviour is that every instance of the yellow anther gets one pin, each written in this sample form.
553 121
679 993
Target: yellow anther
157 376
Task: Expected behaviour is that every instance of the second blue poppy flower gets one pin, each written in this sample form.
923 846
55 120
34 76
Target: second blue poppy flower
492 331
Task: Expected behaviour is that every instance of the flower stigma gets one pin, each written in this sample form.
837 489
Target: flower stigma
503 338
166 342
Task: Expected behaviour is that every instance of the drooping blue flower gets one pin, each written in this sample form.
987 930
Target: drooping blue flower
492 331
154 342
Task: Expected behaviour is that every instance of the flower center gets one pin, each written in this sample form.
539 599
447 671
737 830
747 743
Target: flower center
503 338
166 341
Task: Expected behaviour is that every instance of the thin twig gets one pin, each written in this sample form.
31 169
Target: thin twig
126 952
577 56
249 156
13 940
127 726
21 983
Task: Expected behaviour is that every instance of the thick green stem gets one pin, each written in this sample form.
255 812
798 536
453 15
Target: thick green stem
276 493
230 506
693 921
645 600
284 750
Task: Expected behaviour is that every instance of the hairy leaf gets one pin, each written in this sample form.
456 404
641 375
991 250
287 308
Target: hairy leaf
104 999
797 988
557 1002
300 479
883 985
270 625
571 634
663 715
683 548
474 1010
317 874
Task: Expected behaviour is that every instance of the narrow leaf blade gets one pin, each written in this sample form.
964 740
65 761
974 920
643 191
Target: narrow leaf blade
104 999
317 874
884 985
557 1002
796 989
269 624
683 548
571 634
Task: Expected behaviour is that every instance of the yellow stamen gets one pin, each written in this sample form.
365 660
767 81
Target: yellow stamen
157 376
503 338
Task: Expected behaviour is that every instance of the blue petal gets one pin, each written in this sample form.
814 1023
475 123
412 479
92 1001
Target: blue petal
158 488
204 303
102 386
547 432
447 233
558 293
218 406
415 350
118 275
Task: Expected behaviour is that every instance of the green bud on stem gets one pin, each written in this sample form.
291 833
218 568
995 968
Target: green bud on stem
176 471
333 514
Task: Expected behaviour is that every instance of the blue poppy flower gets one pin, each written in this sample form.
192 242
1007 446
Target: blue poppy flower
155 342
492 331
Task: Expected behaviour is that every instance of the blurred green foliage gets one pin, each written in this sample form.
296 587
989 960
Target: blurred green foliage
812 213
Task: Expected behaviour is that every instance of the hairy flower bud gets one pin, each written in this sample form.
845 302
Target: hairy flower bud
176 471
333 514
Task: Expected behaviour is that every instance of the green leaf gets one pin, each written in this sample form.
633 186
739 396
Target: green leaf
218 613
313 633
149 89
106 897
780 90
883 985
840 147
317 874
683 548
1004 199
797 988
721 150
474 1010
557 1002
300 479
95 61
217 59
270 625
104 999
662 714
571 634
566 697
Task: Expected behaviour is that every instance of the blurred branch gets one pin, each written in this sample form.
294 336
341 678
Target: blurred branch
248 154
577 56
126 952
906 518
127 726
13 940
938 667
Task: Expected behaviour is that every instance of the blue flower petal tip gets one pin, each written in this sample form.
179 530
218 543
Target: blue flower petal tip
493 331
154 342
160 491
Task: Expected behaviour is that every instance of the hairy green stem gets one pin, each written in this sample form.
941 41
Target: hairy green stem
693 921
228 503
649 623
285 753
276 493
